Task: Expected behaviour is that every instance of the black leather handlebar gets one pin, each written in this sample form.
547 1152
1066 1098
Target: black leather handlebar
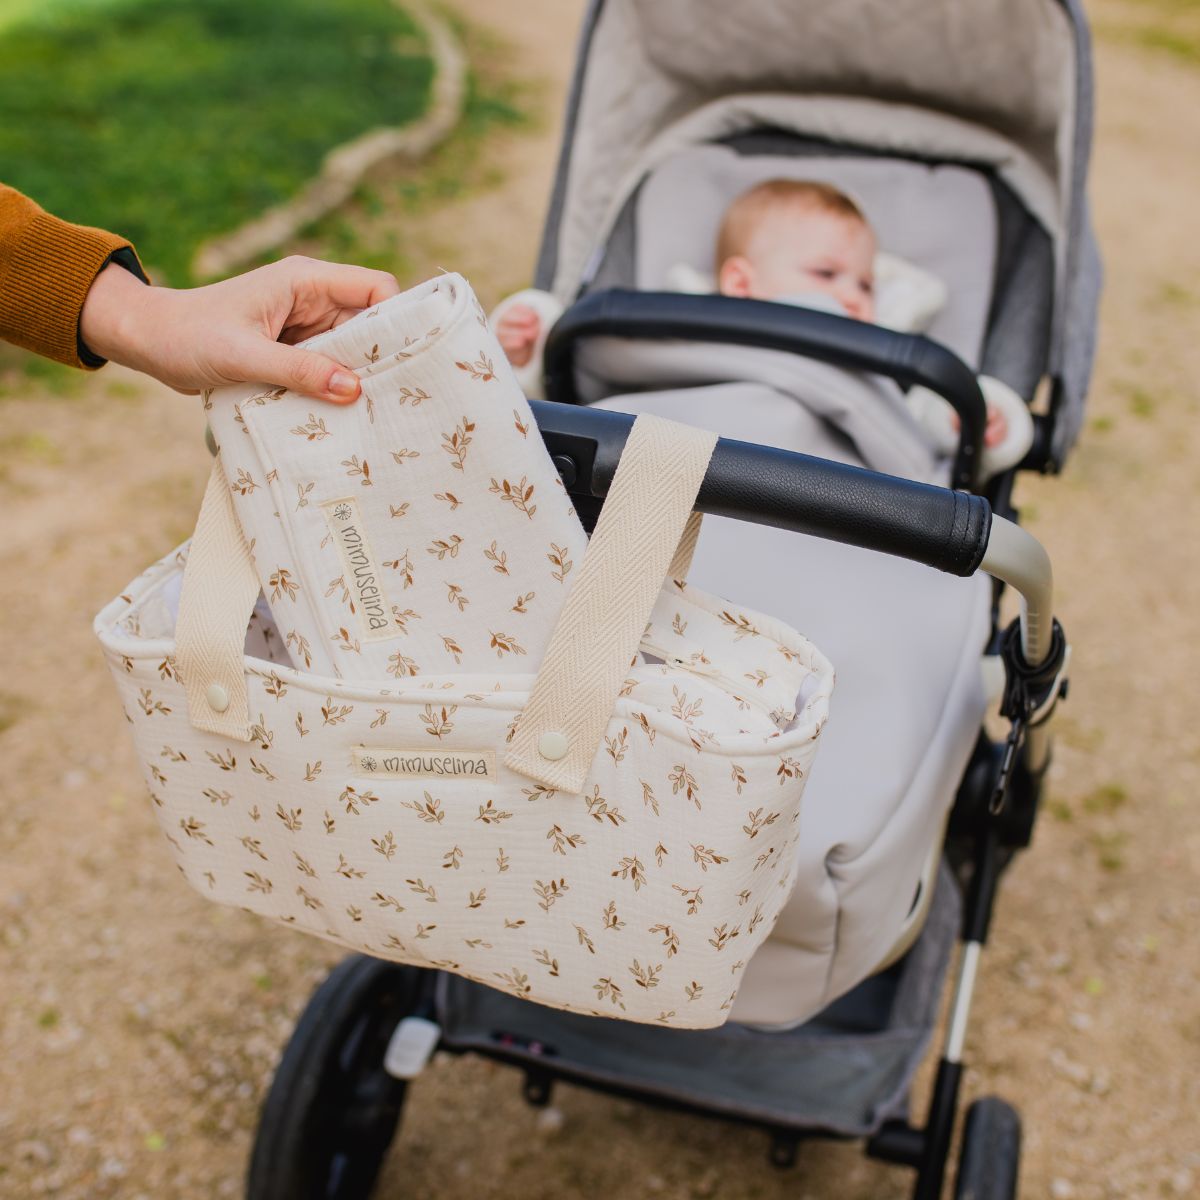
941 528
841 341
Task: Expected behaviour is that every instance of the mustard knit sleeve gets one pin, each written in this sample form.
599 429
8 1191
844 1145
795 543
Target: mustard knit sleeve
46 269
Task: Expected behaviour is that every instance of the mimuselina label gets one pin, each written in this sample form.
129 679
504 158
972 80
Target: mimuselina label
363 579
389 763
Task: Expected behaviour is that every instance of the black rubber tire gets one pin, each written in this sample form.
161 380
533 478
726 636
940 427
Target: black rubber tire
991 1152
332 1110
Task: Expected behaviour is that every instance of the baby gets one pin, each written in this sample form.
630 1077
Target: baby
787 240
791 241
800 243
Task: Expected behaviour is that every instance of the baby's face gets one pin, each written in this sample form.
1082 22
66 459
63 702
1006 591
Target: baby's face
792 253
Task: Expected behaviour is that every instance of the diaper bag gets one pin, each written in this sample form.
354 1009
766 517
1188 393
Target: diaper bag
608 826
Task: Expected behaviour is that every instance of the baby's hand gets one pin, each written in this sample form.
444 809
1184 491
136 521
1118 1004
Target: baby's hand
996 429
517 331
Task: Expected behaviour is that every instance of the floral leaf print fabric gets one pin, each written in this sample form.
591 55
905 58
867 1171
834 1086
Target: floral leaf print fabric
379 530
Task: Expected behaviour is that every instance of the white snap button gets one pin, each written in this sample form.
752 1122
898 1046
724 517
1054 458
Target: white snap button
217 697
553 746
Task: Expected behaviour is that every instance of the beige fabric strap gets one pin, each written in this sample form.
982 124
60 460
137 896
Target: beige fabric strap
681 564
219 592
643 533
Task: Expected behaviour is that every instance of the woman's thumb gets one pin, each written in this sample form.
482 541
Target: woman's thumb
300 371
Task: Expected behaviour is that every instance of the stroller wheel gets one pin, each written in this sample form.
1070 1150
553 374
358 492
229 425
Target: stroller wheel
991 1152
332 1109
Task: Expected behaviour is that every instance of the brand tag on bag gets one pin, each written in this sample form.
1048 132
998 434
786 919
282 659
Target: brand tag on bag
397 763
363 578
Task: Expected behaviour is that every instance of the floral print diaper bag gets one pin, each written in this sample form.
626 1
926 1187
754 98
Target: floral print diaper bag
605 823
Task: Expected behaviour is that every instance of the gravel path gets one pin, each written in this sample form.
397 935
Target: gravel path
140 1024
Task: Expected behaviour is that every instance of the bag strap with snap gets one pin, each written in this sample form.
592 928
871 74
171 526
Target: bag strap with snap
646 532
220 589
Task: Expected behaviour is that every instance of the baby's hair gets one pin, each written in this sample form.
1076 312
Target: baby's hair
744 214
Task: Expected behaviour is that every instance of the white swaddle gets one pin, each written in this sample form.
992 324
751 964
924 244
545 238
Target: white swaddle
423 528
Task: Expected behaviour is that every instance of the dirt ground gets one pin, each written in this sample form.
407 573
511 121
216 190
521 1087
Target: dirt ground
140 1024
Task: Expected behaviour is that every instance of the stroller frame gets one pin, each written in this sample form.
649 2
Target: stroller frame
336 1100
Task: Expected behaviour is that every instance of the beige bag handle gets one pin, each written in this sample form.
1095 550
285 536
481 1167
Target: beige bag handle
220 589
645 532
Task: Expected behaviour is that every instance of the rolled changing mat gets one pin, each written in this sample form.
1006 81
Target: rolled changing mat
423 529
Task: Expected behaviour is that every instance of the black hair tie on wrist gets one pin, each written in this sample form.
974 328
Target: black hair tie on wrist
124 257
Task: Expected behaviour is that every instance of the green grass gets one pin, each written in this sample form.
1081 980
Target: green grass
17 12
1142 403
370 228
12 708
1171 27
32 447
1106 799
1183 45
23 374
1110 850
1175 295
170 121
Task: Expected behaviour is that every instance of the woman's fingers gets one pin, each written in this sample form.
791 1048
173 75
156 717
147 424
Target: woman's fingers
338 286
263 361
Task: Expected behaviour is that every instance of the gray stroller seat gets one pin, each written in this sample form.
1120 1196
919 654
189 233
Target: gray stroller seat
907 644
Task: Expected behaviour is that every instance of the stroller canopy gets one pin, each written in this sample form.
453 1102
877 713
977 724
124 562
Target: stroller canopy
1004 85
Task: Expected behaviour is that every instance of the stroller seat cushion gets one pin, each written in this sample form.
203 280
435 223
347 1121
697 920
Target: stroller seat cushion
939 219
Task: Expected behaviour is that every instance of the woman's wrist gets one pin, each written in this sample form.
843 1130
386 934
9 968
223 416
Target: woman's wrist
112 320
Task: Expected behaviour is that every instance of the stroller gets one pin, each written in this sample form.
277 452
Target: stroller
965 129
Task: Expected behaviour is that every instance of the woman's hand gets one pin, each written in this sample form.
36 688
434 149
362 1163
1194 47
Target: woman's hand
235 331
